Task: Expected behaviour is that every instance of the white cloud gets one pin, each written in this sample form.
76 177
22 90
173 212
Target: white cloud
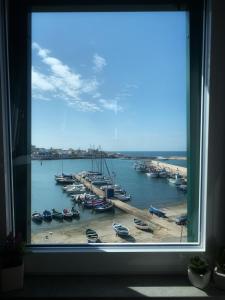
40 82
111 105
62 82
99 62
58 81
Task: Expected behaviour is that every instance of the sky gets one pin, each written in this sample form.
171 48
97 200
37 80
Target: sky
115 80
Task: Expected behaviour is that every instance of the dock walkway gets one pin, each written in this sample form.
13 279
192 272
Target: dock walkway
154 221
117 203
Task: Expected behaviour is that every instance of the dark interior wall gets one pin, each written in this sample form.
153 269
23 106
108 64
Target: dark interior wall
216 151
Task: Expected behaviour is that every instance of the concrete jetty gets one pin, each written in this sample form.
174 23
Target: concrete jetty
144 215
154 221
171 168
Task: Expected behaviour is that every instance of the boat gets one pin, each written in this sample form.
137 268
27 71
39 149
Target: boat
182 220
177 180
64 180
76 212
92 203
163 173
37 217
182 187
142 225
92 236
76 190
47 215
153 174
122 197
157 212
120 229
67 214
103 207
140 167
57 215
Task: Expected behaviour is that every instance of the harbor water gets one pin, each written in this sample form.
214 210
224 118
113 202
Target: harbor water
145 191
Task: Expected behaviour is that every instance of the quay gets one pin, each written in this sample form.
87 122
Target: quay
154 221
171 168
144 215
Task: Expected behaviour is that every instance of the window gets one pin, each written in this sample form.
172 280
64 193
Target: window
21 113
119 81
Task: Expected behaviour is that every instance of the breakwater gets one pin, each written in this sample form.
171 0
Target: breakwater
168 167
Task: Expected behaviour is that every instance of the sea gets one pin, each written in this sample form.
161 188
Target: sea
145 191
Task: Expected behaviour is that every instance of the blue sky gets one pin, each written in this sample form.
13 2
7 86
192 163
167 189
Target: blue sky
117 80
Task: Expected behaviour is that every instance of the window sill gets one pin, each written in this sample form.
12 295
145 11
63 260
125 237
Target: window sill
112 287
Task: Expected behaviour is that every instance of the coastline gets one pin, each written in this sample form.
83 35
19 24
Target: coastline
165 230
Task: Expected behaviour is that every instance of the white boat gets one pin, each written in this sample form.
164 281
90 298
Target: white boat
92 236
67 187
142 225
153 174
122 197
177 180
120 229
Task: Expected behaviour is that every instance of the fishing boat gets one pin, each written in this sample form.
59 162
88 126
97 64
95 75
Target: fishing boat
92 236
67 214
70 186
76 212
64 180
140 167
153 174
176 181
182 187
76 190
37 217
104 207
157 212
57 215
120 229
47 215
182 220
142 225
122 197
163 173
90 203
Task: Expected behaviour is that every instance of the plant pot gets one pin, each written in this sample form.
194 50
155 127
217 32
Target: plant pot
199 280
219 278
12 278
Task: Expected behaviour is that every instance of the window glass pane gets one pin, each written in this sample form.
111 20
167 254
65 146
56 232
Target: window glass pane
109 109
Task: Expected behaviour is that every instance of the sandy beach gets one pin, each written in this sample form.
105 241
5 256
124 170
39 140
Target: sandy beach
165 230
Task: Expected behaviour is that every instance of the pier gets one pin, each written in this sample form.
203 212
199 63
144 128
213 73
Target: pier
171 168
144 215
154 221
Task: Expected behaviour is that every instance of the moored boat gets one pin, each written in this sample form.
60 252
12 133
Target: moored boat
67 214
37 217
76 212
157 212
103 207
120 229
122 197
140 224
57 215
92 236
153 174
47 215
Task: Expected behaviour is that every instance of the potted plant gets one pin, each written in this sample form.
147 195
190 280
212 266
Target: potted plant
12 267
219 270
199 272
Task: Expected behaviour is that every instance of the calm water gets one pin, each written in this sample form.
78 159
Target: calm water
46 194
